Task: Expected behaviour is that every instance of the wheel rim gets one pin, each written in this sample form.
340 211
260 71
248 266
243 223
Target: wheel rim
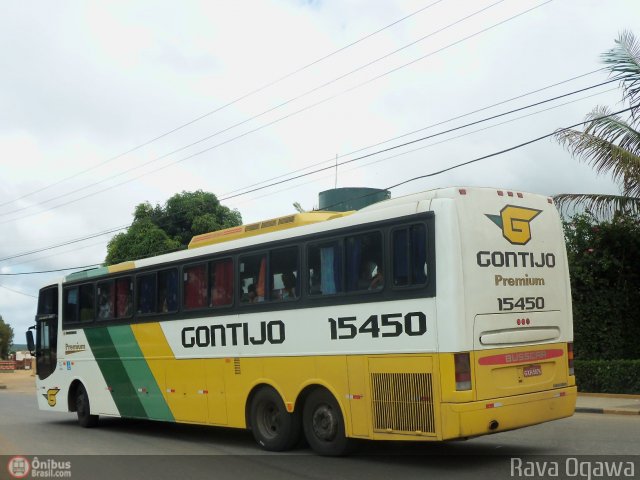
269 420
325 423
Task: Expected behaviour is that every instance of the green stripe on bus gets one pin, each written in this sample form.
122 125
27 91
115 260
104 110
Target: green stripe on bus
122 391
144 382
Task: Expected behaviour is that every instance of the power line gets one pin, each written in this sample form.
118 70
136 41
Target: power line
354 159
43 257
226 129
442 141
469 162
50 271
506 150
228 104
493 117
442 122
491 155
23 254
17 291
308 107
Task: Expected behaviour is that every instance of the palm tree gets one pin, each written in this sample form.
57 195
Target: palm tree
609 143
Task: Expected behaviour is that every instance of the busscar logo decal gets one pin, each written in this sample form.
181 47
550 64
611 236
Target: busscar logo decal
51 396
515 223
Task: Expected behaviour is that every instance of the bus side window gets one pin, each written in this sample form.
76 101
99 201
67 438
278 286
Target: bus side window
253 278
195 286
221 283
124 297
70 305
87 302
325 269
145 293
283 270
364 262
167 291
106 300
410 256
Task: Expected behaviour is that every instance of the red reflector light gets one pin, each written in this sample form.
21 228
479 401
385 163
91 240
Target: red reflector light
500 193
520 195
462 191
510 194
570 358
463 371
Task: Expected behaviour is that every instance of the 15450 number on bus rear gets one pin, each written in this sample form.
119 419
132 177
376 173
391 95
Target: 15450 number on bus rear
507 304
388 325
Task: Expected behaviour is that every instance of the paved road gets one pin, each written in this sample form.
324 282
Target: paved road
185 451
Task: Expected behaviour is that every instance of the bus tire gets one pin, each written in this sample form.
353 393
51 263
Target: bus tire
323 424
272 426
83 409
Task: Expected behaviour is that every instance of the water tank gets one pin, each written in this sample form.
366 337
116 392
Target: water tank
355 198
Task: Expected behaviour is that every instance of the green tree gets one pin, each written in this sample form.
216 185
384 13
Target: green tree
6 338
161 229
611 144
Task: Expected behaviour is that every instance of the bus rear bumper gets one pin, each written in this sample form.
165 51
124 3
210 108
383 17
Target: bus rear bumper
460 420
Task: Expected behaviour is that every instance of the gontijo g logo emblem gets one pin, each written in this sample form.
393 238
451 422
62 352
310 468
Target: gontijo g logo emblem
515 223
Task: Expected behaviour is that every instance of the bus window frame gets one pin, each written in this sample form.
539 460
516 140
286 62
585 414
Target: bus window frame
304 300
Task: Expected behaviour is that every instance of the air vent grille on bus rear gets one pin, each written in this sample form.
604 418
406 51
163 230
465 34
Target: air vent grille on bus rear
402 402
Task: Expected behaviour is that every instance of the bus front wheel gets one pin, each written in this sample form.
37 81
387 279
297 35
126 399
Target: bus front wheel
83 409
323 425
272 426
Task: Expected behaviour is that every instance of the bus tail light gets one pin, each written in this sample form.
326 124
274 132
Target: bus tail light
463 371
570 358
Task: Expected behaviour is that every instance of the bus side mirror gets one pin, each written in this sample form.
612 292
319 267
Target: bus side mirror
31 345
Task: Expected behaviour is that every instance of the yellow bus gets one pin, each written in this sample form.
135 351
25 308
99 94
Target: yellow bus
439 315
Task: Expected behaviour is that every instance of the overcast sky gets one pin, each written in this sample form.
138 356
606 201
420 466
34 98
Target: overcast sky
83 83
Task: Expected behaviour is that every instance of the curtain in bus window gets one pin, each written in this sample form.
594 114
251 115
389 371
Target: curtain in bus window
400 257
354 258
123 297
419 252
262 278
328 271
223 288
195 287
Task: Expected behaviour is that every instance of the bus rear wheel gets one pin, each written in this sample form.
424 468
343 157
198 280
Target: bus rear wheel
83 409
323 425
272 426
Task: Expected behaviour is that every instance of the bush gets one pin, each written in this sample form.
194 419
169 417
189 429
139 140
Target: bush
604 264
608 376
